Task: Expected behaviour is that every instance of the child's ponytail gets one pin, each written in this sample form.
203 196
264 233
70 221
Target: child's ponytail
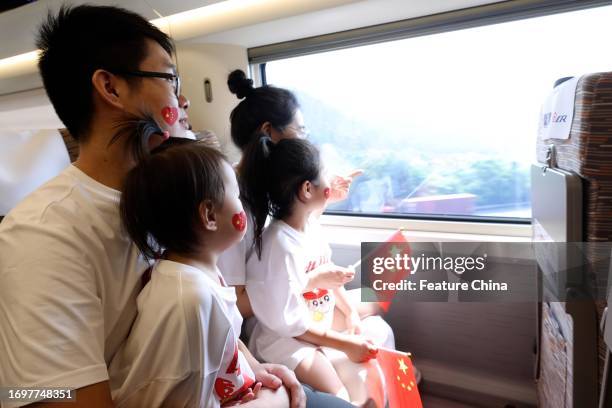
254 178
271 176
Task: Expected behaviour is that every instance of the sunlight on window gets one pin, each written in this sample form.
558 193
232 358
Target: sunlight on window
447 123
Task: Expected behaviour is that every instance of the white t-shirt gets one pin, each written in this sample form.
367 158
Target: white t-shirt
232 262
69 277
183 348
276 288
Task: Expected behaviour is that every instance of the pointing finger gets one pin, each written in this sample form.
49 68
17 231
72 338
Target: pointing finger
355 173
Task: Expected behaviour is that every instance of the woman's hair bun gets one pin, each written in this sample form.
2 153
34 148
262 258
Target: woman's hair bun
239 84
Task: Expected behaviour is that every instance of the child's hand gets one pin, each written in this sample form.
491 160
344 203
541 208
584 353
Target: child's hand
329 276
359 350
248 395
353 323
340 186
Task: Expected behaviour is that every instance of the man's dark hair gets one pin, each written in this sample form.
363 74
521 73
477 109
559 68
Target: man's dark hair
161 196
78 41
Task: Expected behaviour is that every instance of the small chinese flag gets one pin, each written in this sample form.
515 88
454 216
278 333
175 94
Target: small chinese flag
399 380
386 250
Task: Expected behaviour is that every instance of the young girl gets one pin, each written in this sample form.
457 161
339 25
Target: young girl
294 312
273 112
183 349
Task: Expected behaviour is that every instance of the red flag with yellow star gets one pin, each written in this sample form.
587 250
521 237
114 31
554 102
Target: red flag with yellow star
397 375
388 249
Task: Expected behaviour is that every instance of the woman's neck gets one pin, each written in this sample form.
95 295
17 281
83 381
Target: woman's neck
205 260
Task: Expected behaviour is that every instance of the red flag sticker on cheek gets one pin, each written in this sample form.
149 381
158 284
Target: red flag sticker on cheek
239 221
327 192
170 114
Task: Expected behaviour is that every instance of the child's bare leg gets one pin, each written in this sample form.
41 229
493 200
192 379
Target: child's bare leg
364 309
339 324
378 330
356 377
372 327
318 372
274 398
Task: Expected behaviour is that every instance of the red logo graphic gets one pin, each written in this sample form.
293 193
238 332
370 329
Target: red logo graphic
170 114
239 221
224 388
234 367
315 294
315 263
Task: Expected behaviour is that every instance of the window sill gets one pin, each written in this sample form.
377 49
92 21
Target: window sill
349 232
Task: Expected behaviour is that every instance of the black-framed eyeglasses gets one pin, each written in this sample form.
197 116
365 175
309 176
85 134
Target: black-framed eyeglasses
176 80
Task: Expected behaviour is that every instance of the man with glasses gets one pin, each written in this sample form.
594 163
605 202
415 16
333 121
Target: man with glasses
69 274
173 78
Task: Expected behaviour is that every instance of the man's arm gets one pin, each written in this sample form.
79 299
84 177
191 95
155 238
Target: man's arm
268 398
93 396
273 376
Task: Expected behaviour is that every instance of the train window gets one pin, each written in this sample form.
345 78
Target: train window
442 124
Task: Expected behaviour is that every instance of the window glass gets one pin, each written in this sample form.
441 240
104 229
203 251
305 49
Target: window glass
443 124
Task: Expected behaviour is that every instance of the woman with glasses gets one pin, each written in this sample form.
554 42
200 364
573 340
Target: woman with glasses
269 110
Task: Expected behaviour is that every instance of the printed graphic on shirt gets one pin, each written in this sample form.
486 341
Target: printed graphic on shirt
320 301
315 263
234 376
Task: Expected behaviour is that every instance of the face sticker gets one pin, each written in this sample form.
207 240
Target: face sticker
239 221
170 114
327 192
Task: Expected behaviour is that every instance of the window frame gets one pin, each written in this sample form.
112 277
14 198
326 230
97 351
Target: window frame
472 17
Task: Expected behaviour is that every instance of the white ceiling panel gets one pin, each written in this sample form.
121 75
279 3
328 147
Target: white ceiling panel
18 26
341 18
